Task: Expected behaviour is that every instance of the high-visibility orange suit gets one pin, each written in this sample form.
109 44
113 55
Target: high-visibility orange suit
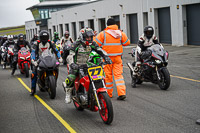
111 40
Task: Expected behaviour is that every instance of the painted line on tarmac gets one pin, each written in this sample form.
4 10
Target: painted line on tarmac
179 77
185 78
65 124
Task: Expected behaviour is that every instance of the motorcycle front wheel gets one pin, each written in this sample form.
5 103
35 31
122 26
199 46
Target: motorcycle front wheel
52 87
164 81
26 70
106 111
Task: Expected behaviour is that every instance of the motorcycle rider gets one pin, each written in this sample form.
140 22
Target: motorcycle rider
39 46
64 39
56 37
146 40
21 42
7 43
79 54
35 38
4 39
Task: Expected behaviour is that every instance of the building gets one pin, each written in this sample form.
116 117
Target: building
42 12
175 21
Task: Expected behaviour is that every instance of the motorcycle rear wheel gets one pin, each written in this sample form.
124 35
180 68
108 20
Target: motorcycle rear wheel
164 83
52 87
106 111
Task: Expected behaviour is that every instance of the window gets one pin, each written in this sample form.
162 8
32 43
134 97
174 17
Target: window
42 14
46 14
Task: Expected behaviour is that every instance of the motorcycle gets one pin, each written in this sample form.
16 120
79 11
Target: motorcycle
90 93
1 54
48 68
24 61
66 49
9 57
153 69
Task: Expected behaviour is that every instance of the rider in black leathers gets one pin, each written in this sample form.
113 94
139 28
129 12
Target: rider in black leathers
20 43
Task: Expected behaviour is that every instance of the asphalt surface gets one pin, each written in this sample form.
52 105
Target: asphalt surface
146 109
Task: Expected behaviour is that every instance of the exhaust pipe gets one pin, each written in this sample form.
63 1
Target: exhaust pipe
130 66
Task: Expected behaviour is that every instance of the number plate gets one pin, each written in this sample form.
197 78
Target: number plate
95 73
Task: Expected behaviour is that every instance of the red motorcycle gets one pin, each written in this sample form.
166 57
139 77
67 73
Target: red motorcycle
24 61
90 92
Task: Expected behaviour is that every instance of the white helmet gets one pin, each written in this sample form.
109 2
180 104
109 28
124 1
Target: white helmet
10 38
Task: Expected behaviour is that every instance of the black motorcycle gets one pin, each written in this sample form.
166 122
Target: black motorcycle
48 73
66 48
152 69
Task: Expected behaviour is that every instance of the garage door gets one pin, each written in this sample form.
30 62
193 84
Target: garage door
164 25
133 28
193 24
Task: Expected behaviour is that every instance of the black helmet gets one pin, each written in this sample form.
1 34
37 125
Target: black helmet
44 36
85 34
21 37
15 37
148 31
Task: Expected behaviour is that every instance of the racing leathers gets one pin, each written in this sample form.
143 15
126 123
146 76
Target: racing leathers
17 47
79 55
65 44
37 50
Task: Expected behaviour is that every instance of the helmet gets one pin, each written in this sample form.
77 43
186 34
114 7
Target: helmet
10 38
66 33
148 31
86 35
5 37
15 37
56 35
21 37
44 36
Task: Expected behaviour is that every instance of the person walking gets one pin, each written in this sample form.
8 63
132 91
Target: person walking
111 40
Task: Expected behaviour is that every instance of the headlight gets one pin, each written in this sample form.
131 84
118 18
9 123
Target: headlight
28 57
158 61
22 58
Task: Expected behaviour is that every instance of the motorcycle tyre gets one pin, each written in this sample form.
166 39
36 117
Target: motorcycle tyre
164 72
52 87
107 101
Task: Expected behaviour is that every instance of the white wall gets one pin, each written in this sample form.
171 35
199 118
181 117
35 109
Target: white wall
30 26
107 8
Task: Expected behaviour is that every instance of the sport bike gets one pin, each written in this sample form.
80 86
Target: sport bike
48 68
24 61
153 69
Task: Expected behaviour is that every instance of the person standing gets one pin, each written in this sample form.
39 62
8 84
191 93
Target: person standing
111 40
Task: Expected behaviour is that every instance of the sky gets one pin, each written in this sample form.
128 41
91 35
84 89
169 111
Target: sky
14 13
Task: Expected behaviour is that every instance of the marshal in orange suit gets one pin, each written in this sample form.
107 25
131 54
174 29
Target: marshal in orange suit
111 40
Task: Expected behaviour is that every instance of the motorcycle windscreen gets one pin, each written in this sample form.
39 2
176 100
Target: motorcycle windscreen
157 49
48 59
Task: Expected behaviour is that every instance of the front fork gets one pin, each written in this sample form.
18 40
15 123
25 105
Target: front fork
95 95
158 75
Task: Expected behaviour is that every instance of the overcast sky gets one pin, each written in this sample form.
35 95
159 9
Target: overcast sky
14 13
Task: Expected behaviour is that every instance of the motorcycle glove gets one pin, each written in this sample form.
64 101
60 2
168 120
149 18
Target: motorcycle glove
35 63
60 60
108 60
74 66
